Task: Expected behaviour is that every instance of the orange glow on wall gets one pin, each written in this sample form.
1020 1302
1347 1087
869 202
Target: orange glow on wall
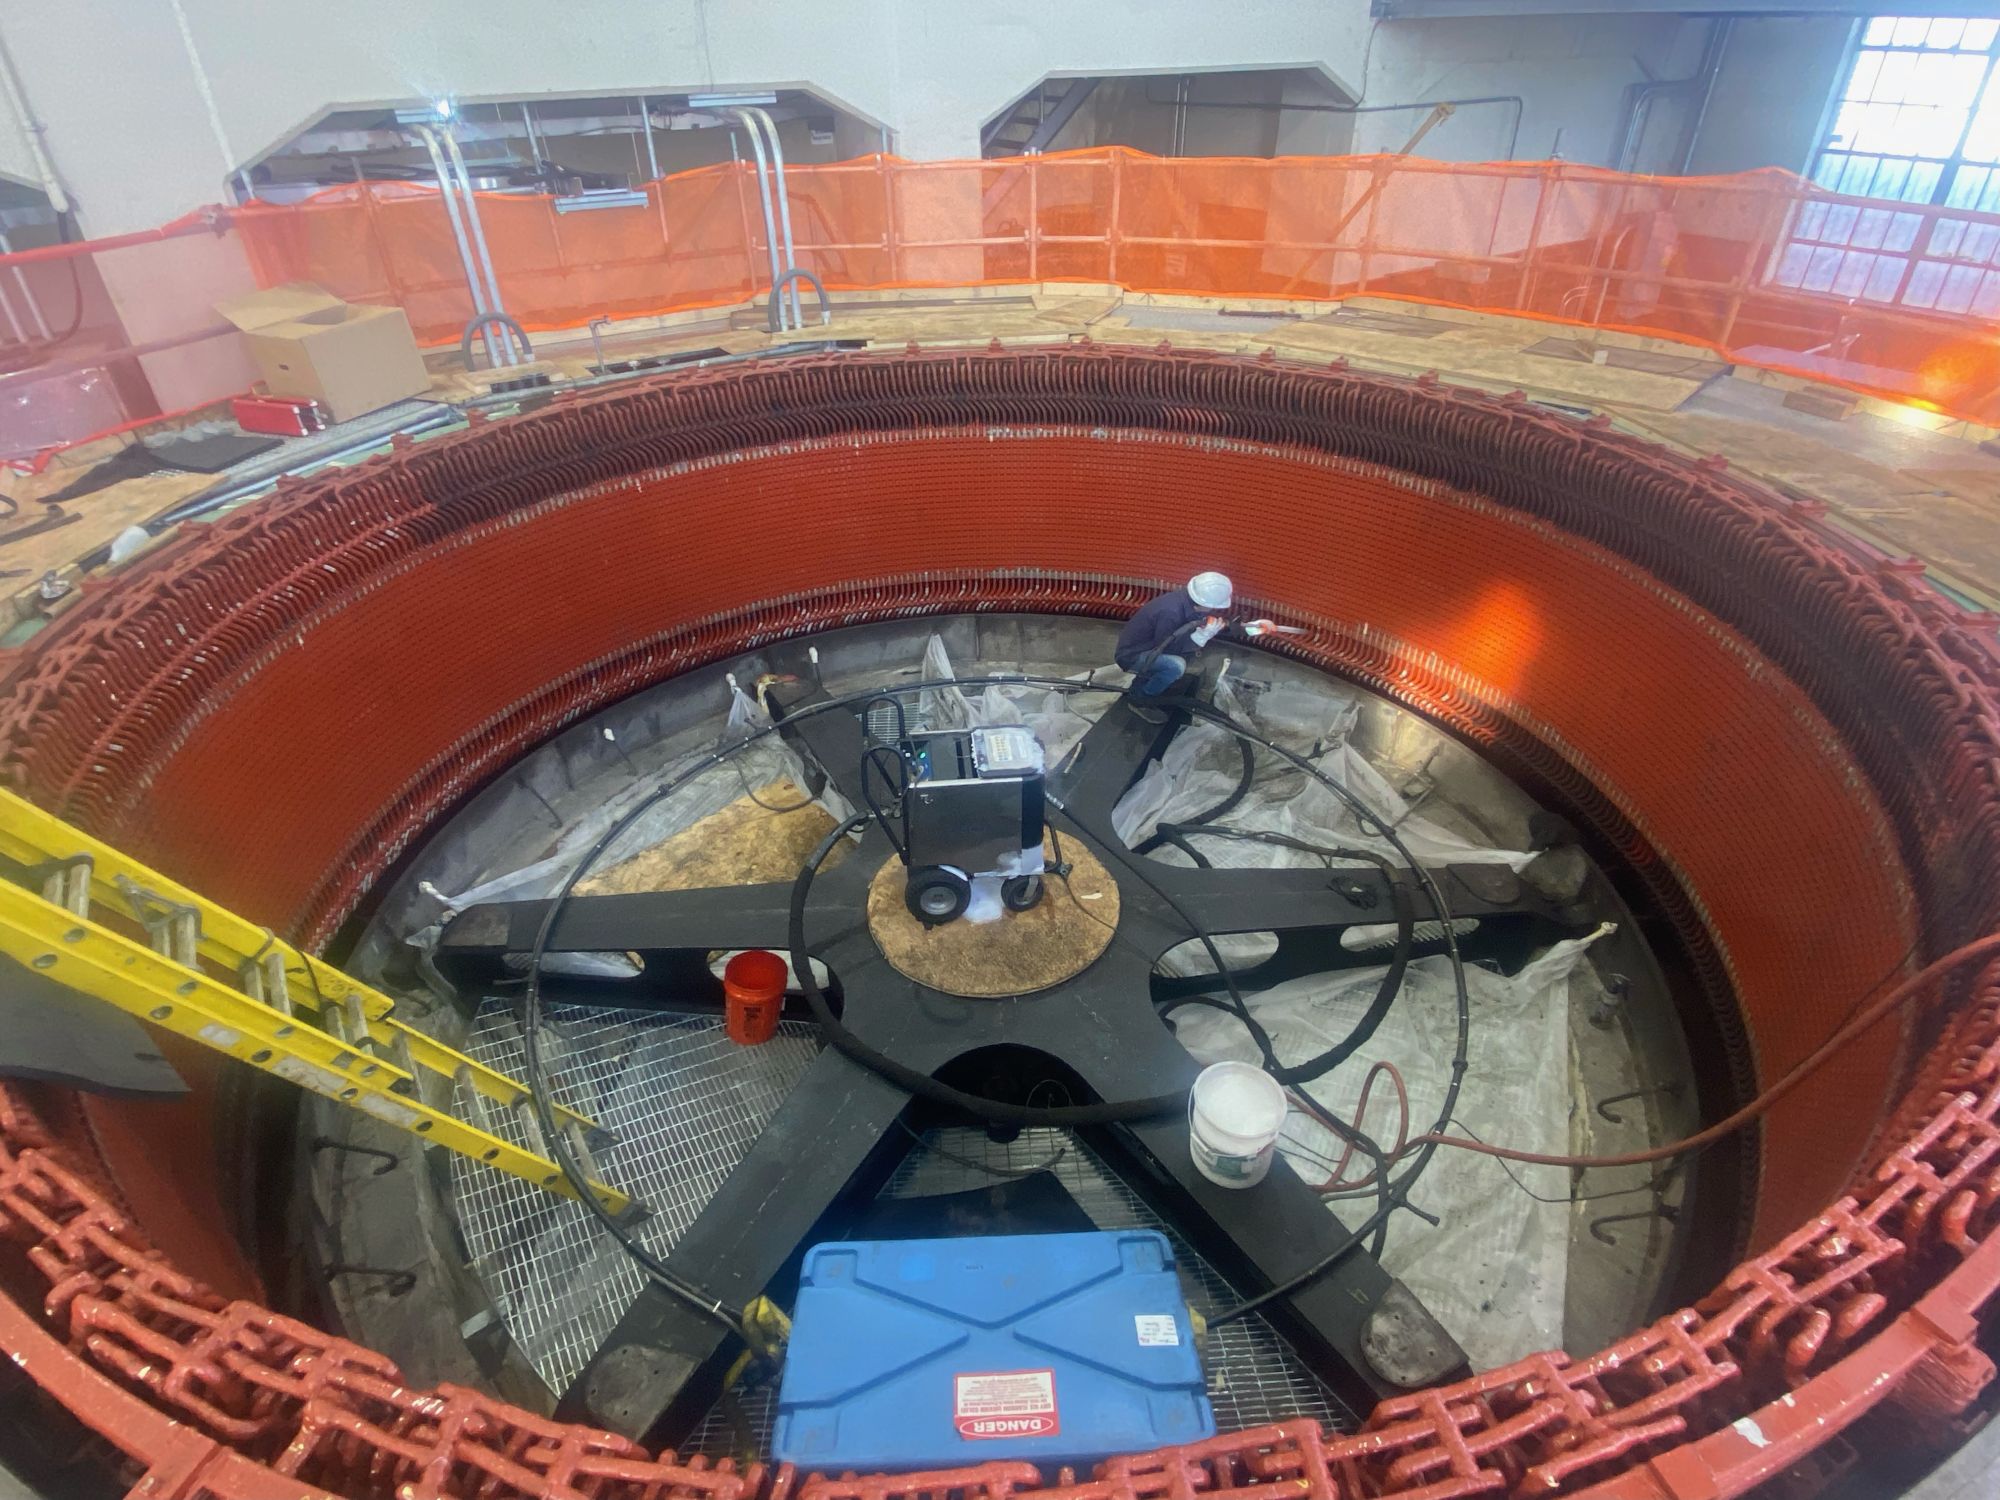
1499 637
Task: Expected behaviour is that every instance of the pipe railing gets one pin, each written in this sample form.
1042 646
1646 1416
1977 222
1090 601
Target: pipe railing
1711 261
448 193
763 169
769 153
496 309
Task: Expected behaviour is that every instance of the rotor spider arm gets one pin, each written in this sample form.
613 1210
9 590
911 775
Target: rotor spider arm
709 918
1358 1326
1302 899
674 934
1102 766
1355 1323
661 1367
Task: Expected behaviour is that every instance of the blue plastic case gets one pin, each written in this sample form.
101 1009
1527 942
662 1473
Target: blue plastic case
931 1354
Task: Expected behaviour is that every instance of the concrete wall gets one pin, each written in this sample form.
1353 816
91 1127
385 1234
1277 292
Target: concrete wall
131 132
133 136
15 164
1572 74
1551 83
1574 77
1771 94
1311 131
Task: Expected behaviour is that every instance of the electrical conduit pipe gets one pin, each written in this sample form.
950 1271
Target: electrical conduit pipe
448 191
764 203
493 303
31 131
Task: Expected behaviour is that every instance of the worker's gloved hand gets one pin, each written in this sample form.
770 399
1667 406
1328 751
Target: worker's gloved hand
1207 630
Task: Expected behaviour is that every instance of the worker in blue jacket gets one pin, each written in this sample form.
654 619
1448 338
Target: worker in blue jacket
1159 641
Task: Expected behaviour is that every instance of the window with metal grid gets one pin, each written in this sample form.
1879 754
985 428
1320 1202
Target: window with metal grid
1917 121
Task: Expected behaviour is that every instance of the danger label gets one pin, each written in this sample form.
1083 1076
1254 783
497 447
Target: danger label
1157 1330
1006 1404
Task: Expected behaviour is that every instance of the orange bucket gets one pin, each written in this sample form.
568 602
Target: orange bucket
753 988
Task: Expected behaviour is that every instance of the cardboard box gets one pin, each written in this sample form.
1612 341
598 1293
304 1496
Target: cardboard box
351 359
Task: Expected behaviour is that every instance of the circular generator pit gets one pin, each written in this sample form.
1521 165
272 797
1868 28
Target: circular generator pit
1830 819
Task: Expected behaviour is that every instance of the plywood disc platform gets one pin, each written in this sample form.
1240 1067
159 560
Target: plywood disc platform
1023 951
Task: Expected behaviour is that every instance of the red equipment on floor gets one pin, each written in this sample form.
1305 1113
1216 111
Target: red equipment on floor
286 416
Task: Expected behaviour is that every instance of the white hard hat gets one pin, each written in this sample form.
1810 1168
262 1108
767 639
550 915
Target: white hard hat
1210 590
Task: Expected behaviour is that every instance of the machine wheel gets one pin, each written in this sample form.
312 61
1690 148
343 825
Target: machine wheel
1021 892
937 895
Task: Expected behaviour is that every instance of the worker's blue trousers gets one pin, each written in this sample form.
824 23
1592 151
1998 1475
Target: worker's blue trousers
1161 675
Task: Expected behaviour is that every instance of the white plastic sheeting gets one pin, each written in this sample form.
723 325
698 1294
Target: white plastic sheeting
1058 718
1495 1269
1201 766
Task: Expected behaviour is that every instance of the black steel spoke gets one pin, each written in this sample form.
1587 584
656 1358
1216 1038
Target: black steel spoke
1307 898
1102 766
661 1368
711 917
1262 1236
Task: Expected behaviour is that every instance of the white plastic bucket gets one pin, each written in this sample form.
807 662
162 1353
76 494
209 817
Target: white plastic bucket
1234 1111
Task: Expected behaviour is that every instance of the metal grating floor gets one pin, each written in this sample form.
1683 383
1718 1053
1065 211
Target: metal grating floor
686 1103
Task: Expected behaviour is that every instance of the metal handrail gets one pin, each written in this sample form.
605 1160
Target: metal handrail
784 198
763 197
448 191
494 303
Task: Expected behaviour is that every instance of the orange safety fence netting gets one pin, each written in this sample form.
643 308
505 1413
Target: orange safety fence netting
109 335
1763 268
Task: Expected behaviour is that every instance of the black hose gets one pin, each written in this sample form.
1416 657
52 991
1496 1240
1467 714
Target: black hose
771 315
56 340
1175 835
1174 840
1403 908
1385 995
499 320
899 786
1163 832
902 717
538 1093
1240 1008
1393 1196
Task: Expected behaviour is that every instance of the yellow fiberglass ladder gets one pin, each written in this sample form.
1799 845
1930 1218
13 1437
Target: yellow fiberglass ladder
278 1008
